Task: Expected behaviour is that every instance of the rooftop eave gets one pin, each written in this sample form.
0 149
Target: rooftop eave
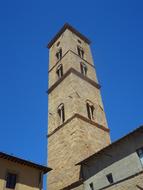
42 168
69 27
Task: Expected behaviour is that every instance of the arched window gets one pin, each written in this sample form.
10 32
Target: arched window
59 54
83 68
80 51
90 110
59 71
61 113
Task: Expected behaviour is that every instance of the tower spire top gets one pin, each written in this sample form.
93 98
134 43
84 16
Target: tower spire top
71 28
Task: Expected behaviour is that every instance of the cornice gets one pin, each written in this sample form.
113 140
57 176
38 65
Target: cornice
65 55
83 118
72 70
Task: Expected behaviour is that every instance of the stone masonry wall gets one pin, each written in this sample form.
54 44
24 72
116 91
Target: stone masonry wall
68 61
74 92
69 145
77 138
68 41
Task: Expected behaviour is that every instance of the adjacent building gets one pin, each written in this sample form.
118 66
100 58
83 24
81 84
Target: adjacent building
19 174
118 166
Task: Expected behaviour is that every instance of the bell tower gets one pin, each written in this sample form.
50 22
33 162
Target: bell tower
77 125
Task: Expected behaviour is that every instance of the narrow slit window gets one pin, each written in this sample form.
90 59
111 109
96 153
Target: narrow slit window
11 180
83 68
140 154
91 186
59 71
59 54
110 178
90 111
80 52
58 44
79 41
61 113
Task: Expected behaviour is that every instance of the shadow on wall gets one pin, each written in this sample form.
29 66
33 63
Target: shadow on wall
139 187
111 154
20 182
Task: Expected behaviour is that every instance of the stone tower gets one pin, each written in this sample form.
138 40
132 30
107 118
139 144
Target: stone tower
77 124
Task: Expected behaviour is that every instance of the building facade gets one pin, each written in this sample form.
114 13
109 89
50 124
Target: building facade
19 174
118 166
77 124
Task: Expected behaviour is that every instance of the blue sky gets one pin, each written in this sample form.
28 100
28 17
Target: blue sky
116 31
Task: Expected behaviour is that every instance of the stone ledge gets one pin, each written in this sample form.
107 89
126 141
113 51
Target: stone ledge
72 70
76 115
65 55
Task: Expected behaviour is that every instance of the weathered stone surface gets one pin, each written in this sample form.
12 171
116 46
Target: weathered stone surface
74 92
119 159
78 138
68 146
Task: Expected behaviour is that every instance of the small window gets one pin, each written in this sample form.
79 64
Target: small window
11 181
79 41
59 71
80 52
140 154
90 110
91 186
59 54
40 179
110 178
58 44
83 68
61 113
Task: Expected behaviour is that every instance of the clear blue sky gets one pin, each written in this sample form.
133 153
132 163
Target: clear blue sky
115 28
